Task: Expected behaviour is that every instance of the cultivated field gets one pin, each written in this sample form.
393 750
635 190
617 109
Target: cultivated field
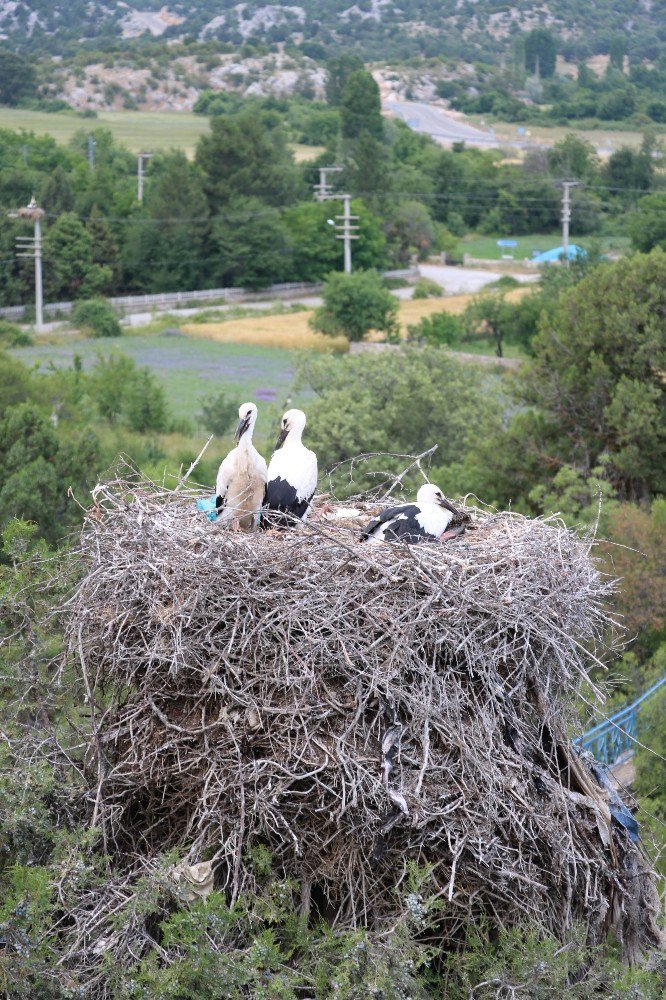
290 331
293 332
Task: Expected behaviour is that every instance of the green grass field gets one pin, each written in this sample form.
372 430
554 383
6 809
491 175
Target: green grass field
605 139
485 247
135 129
151 130
189 369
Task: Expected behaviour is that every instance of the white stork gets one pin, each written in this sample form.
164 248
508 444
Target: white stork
292 475
241 479
427 520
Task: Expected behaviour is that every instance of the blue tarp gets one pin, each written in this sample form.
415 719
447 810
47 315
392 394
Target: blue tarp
553 255
208 507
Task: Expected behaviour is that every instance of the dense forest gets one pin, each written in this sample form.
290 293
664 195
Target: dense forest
243 212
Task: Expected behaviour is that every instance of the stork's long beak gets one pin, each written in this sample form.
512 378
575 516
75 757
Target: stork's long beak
242 427
282 437
448 506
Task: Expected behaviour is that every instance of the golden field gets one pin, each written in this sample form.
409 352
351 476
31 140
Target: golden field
286 330
292 331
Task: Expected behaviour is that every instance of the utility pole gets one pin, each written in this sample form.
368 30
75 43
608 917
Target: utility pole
345 224
347 230
91 152
140 158
322 190
566 217
31 247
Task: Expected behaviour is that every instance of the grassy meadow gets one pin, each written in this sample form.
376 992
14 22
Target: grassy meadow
485 247
253 357
605 140
138 130
135 129
189 369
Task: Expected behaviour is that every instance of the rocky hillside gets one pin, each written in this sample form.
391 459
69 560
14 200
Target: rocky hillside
378 29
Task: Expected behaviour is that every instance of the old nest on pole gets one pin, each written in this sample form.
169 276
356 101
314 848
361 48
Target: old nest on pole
353 708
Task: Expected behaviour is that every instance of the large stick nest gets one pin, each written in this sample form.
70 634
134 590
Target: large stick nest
353 707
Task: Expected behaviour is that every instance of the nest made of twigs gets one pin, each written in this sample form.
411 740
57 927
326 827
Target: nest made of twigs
352 707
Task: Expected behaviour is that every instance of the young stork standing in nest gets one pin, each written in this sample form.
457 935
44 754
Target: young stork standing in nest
427 520
241 479
292 476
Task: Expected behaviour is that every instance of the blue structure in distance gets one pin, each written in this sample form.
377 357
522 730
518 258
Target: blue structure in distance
616 735
552 256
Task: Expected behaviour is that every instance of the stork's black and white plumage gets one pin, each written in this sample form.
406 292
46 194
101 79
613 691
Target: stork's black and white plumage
292 476
427 520
241 479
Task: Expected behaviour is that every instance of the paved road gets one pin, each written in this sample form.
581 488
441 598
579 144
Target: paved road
432 121
464 280
436 123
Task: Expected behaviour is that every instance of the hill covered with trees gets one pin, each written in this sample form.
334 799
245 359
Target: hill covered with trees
381 29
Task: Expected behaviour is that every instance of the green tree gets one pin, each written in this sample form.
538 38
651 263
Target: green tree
108 383
647 225
97 317
314 249
393 403
37 469
247 156
56 194
491 315
597 373
354 304
218 413
144 403
105 250
68 260
585 75
540 52
618 49
17 78
361 107
619 103
439 329
365 169
574 157
121 391
629 169
486 315
250 246
17 385
337 72
166 244
639 559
